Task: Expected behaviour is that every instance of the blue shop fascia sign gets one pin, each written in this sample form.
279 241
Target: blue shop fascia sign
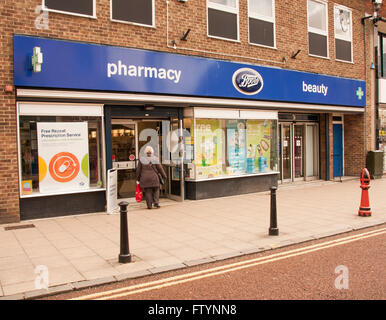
74 65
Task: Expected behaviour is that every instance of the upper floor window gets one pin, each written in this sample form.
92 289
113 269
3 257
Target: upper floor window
317 28
223 19
382 40
77 7
133 11
343 33
262 22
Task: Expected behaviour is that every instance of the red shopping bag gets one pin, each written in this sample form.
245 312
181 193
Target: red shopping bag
138 193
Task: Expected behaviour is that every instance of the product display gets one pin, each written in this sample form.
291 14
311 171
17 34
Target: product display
233 147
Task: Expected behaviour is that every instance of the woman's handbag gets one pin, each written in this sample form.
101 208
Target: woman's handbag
138 193
160 177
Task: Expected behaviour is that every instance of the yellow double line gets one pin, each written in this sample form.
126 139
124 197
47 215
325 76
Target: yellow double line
171 281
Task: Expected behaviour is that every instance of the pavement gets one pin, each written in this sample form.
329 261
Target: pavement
75 252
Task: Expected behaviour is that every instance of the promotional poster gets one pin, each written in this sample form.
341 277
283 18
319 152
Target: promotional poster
258 145
208 148
63 156
236 137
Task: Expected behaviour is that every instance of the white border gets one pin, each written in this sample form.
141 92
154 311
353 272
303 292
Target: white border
234 176
215 113
318 31
134 23
181 101
257 16
336 6
59 109
225 9
44 8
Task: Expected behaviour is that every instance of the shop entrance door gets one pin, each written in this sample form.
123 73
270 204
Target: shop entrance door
124 154
338 149
129 140
298 146
298 151
286 152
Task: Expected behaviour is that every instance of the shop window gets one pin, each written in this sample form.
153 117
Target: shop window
78 7
262 22
343 33
60 154
223 19
317 28
234 147
133 11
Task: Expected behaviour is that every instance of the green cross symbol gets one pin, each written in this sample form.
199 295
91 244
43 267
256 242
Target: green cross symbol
360 93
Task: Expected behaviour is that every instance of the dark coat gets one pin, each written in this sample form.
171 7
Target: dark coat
146 172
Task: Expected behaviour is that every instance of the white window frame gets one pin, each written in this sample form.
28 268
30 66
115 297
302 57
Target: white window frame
264 18
60 109
44 8
318 31
342 38
229 9
134 23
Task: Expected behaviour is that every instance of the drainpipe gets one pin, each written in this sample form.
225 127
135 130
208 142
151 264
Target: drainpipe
378 71
365 112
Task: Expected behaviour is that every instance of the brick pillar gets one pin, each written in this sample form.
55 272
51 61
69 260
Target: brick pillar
9 173
354 151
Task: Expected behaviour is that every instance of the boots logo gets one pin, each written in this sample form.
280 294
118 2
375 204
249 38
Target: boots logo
247 81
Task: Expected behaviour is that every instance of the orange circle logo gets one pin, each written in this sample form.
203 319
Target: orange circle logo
64 167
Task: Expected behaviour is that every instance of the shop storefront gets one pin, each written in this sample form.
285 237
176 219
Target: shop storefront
219 128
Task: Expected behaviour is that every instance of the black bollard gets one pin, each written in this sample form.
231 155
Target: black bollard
273 230
124 256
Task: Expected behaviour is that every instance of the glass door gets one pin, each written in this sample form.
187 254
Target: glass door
298 151
176 181
286 152
312 153
299 147
150 133
163 137
124 153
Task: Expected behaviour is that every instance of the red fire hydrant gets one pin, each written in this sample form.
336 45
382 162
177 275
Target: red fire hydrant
364 209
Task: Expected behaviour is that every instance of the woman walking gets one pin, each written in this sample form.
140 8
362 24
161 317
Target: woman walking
147 175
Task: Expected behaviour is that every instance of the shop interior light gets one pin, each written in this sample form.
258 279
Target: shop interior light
149 107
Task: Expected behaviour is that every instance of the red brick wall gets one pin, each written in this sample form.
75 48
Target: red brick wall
18 17
354 152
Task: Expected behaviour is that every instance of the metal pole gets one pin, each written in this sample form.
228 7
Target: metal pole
124 256
273 229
